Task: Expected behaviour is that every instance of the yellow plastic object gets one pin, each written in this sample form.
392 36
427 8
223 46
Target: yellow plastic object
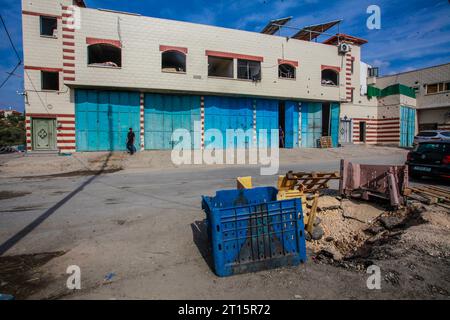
244 183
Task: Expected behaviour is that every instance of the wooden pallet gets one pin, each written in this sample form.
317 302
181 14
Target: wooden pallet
325 142
431 195
309 182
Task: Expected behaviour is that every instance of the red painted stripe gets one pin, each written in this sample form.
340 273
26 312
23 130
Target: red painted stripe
68 128
68 29
338 69
91 41
66 64
35 115
28 134
42 115
66 134
66 15
68 58
67 148
69 50
164 48
233 55
43 69
293 63
68 36
31 13
66 141
68 44
69 71
69 79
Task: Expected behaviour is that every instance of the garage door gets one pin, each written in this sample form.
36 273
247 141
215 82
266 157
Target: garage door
311 124
103 118
166 113
407 126
224 113
291 124
266 118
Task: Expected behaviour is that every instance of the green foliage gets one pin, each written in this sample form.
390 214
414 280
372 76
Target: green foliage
12 131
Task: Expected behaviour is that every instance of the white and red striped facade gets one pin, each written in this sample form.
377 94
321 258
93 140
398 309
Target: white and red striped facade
142 47
378 131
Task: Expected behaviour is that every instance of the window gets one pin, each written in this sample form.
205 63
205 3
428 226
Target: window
286 71
432 88
50 80
49 25
429 148
330 77
220 67
438 87
104 55
250 70
173 61
373 72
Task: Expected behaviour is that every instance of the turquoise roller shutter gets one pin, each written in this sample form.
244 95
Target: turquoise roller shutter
266 118
102 119
334 116
165 113
291 124
311 124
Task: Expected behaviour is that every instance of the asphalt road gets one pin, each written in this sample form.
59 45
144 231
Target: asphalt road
145 227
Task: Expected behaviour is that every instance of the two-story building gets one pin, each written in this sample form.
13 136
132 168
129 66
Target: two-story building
432 90
91 74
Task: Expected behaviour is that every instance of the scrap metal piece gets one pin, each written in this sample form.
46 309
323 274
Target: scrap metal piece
382 181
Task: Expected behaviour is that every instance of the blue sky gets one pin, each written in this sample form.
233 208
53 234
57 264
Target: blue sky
413 34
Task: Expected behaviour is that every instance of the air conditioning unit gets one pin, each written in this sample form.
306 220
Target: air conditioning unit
344 47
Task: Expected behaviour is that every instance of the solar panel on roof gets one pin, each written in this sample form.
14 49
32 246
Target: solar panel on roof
311 32
275 25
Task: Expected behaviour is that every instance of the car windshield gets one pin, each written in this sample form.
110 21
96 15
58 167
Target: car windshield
430 147
427 134
446 133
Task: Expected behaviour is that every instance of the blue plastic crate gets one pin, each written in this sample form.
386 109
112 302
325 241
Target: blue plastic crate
250 230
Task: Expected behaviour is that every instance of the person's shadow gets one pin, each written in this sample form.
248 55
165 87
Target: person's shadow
200 237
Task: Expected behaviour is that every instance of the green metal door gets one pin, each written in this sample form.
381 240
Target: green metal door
44 136
311 124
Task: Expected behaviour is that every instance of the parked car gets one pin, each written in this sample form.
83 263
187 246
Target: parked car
431 135
430 159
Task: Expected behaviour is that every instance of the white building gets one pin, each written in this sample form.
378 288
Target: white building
95 73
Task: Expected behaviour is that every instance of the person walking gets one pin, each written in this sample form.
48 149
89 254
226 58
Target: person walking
130 142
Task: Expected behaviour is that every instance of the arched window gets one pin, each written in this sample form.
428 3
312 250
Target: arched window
286 71
104 55
330 77
173 61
